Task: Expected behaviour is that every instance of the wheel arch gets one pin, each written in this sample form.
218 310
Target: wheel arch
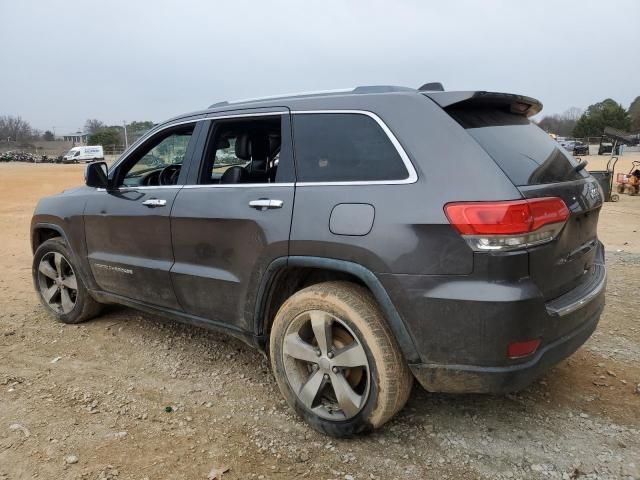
41 232
279 273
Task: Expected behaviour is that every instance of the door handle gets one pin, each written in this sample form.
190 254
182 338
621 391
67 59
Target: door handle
265 203
154 202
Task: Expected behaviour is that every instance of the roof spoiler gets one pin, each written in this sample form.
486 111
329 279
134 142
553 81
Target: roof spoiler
518 104
432 87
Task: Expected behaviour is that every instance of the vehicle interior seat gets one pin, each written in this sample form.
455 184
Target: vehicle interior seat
259 166
235 174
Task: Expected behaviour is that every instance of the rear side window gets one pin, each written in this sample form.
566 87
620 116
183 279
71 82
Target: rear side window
526 154
344 147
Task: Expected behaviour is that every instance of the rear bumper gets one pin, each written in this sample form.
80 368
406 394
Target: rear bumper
462 327
478 379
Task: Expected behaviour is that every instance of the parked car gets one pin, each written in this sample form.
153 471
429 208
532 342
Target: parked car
360 239
580 148
568 145
87 153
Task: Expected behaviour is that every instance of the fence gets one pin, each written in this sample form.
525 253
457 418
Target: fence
113 149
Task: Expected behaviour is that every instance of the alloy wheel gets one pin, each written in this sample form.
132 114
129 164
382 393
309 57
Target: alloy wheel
326 365
57 282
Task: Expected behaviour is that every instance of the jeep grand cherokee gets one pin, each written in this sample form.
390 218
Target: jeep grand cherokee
360 238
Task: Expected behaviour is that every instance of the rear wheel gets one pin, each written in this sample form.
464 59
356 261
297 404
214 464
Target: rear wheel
59 286
335 360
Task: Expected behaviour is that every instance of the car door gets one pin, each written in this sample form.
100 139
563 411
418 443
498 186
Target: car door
127 226
233 218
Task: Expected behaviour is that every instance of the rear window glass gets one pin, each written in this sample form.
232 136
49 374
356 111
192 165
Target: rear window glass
526 154
343 147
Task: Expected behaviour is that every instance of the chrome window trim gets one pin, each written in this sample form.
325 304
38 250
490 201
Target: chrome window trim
243 115
413 175
142 187
412 178
240 185
184 122
208 185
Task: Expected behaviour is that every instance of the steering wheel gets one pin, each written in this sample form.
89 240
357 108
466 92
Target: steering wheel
169 175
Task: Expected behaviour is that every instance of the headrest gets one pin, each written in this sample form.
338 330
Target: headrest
235 174
252 145
222 143
243 146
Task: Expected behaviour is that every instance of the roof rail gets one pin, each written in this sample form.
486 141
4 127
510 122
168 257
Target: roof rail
382 89
282 95
361 89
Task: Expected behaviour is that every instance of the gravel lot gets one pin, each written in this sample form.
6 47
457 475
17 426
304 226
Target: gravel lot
90 401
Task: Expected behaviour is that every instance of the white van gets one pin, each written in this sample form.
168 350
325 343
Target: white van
84 154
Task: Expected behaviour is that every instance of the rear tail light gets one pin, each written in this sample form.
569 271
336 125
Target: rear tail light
508 225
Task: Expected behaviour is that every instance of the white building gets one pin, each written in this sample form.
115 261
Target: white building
78 138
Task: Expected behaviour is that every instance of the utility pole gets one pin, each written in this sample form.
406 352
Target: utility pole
126 140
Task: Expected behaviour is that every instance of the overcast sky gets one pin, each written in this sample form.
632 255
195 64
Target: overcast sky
62 62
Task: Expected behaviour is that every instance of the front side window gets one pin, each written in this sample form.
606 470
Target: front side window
343 147
160 161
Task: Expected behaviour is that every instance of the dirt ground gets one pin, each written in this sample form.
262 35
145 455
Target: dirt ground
89 401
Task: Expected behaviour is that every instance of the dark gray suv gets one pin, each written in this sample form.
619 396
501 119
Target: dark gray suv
360 238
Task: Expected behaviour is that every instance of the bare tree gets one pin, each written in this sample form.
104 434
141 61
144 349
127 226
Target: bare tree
92 125
14 128
561 124
574 113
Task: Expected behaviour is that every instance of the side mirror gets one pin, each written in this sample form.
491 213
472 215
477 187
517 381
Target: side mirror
95 175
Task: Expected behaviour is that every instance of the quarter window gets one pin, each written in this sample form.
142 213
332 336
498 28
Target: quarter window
342 147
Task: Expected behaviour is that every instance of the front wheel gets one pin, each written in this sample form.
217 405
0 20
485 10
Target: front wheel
336 361
59 286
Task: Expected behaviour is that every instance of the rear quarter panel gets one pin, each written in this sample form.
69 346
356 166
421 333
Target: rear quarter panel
410 234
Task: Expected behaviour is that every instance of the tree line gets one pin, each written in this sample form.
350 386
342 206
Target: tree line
107 135
591 122
573 122
16 129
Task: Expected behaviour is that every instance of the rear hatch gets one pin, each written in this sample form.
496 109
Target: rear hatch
539 167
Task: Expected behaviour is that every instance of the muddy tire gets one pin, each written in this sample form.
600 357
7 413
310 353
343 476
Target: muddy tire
336 361
59 285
